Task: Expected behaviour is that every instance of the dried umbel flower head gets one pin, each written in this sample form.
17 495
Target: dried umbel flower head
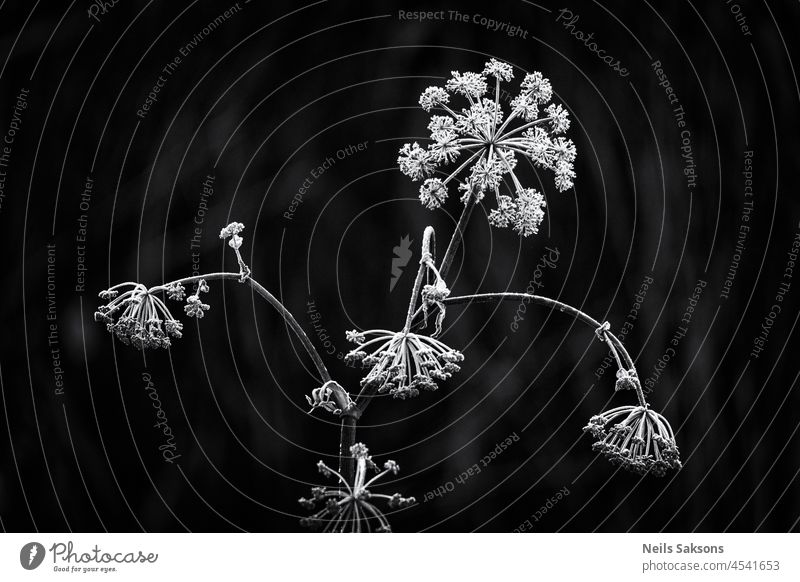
489 142
641 441
143 320
627 380
231 233
402 363
351 507
194 306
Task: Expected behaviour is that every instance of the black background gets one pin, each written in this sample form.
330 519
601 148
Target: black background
263 100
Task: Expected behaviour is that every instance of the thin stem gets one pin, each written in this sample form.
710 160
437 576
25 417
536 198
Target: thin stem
458 234
272 300
347 438
289 318
557 305
524 127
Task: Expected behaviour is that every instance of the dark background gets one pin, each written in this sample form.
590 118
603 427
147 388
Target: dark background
263 100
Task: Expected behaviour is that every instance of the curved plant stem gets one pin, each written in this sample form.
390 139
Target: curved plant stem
613 341
428 252
349 421
272 300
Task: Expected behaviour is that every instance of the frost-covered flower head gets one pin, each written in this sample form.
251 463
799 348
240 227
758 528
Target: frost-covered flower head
641 441
143 320
231 232
484 142
403 362
351 507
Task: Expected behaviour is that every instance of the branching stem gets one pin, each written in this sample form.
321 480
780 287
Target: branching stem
272 300
613 341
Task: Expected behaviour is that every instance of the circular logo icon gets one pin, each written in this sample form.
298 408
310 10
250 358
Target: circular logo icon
31 555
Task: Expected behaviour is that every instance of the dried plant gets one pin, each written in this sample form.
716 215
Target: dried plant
402 363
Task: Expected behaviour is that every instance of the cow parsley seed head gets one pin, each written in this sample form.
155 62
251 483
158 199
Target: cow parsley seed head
194 306
472 85
142 319
537 87
176 291
433 97
626 380
529 212
403 363
232 232
233 229
352 507
559 118
499 69
505 212
482 143
433 193
355 337
525 106
441 122
415 162
445 146
641 441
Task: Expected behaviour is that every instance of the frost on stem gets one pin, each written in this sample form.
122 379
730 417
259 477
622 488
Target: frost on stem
485 142
402 363
351 507
642 441
331 397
